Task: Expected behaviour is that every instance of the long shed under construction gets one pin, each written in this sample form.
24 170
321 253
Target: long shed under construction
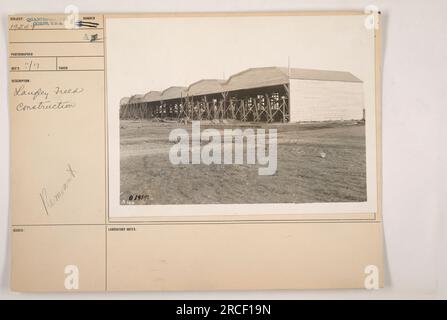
268 94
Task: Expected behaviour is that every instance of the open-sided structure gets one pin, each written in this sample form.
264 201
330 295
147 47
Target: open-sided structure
268 94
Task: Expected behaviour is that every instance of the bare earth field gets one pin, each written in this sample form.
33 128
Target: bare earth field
318 162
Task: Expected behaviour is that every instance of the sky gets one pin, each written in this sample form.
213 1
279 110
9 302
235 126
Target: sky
146 54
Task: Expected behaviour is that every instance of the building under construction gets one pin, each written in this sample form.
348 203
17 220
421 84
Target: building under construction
269 94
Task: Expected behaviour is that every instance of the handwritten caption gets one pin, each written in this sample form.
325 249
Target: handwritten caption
56 98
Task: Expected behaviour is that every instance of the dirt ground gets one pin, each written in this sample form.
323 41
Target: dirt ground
318 162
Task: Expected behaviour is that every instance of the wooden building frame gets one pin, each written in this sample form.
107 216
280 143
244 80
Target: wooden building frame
253 95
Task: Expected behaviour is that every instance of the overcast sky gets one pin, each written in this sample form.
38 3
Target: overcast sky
154 53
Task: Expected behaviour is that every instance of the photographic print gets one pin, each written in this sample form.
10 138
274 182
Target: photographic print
242 112
195 151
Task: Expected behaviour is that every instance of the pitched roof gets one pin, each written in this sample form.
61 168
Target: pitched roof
152 96
124 100
247 79
326 75
271 76
206 86
173 93
136 98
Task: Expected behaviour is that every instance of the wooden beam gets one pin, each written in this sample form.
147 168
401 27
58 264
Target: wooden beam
269 109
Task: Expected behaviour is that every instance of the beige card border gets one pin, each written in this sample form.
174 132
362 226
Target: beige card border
348 242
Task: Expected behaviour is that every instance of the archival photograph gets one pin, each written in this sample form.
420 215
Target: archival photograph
227 111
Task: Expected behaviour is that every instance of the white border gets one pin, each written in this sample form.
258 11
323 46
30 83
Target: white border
116 210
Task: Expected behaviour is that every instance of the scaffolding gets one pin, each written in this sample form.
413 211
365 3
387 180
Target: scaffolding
268 104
